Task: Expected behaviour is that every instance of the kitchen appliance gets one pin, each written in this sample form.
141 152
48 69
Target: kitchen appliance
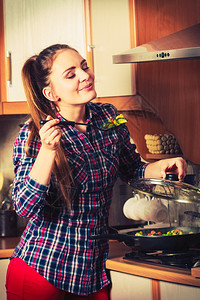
183 44
172 255
189 239
181 251
182 259
176 251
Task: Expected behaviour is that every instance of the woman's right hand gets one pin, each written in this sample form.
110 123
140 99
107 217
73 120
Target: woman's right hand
50 134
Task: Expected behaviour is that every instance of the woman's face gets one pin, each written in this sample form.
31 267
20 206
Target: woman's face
71 81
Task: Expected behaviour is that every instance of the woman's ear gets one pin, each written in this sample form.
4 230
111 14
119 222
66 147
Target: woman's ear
49 94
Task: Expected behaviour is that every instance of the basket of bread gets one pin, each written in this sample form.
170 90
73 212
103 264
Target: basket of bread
162 144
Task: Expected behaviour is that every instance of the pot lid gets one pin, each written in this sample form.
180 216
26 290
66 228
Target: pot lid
167 189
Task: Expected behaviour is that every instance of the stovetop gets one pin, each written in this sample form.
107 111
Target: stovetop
182 260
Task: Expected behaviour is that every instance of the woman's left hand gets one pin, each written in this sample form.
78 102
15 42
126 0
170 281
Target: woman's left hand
159 169
175 165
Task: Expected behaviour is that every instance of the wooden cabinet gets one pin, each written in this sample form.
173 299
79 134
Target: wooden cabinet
111 34
130 287
174 291
30 26
171 87
3 269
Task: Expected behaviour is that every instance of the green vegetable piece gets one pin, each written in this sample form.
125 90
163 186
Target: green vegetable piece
114 122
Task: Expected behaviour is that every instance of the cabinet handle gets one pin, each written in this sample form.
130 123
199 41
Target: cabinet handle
8 69
89 47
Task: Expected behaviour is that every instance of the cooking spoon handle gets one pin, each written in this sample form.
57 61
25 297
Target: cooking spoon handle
65 123
42 122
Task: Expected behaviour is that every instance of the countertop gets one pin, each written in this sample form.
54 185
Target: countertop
116 262
7 246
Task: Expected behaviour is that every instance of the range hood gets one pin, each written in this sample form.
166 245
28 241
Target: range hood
183 44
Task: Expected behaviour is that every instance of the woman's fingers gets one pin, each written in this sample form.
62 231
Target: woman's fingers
174 165
50 134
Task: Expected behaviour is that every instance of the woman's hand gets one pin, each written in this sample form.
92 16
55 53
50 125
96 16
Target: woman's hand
50 134
159 169
175 166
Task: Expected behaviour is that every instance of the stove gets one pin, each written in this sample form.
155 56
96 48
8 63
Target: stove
181 260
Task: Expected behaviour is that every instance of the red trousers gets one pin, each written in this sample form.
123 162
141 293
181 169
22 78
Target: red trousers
24 283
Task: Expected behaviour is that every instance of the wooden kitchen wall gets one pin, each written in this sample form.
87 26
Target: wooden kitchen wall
173 88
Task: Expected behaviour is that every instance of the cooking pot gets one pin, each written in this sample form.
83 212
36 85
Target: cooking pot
171 190
189 239
8 223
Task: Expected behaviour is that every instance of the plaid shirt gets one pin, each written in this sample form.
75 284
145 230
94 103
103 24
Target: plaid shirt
56 241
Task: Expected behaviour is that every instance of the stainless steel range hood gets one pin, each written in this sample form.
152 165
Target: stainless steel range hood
183 44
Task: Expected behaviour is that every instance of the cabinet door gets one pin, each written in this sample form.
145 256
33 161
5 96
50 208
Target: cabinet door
174 291
111 35
130 287
31 26
3 269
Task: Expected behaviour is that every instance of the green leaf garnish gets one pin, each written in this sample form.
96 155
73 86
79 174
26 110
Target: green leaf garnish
114 122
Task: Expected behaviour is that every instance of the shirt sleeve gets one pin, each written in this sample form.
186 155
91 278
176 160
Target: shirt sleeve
28 195
130 164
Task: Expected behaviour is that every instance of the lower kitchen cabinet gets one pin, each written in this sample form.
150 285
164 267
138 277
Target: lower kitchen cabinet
3 269
130 287
173 291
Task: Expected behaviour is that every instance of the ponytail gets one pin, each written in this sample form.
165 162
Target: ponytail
35 75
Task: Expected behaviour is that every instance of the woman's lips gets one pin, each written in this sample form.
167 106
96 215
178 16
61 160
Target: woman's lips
87 87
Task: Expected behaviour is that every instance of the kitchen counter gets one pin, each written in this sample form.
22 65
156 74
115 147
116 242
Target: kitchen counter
116 262
7 246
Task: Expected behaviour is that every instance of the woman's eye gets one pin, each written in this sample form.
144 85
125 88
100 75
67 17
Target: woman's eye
85 68
69 76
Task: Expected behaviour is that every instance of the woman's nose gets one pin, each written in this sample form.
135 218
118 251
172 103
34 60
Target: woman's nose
83 75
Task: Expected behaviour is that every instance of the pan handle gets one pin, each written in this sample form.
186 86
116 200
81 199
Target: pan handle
109 236
112 236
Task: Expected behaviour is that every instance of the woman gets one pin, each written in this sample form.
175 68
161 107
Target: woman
64 177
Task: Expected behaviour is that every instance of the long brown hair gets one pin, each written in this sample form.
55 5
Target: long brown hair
35 76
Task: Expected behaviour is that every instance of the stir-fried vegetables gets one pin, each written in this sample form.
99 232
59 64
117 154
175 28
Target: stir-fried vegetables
154 233
114 122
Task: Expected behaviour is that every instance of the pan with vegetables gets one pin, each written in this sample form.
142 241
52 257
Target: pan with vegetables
165 239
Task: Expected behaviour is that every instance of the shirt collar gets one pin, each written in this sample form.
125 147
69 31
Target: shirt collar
90 113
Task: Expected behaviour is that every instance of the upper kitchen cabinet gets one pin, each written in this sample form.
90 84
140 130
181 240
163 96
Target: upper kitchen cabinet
171 87
112 29
30 26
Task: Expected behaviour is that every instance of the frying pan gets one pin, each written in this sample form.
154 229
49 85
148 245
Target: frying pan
170 190
189 239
